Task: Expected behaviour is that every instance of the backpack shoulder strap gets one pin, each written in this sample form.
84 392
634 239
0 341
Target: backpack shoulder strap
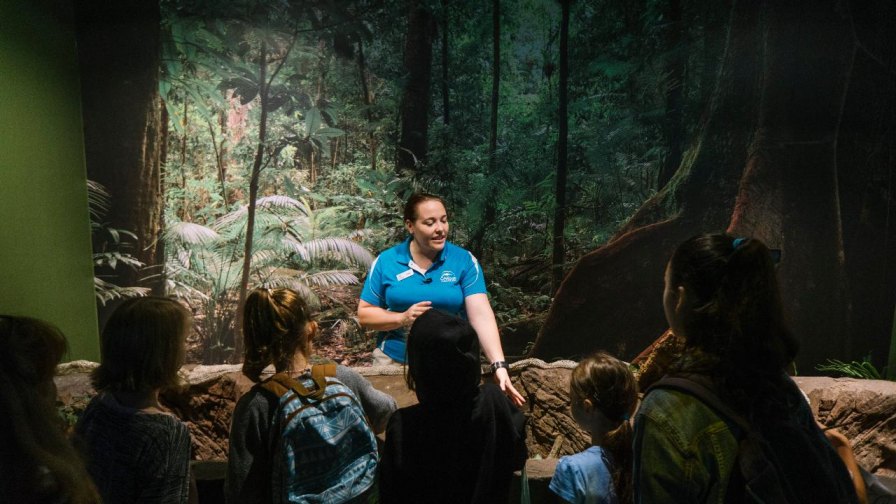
705 395
277 384
323 370
281 383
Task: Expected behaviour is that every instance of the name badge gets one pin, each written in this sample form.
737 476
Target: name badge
404 274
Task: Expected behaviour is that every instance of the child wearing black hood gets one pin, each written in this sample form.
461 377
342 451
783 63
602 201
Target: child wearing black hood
463 441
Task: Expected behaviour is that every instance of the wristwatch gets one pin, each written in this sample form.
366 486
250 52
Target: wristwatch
498 365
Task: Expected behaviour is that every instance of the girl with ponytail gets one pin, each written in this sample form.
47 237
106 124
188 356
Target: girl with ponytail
603 395
722 297
278 331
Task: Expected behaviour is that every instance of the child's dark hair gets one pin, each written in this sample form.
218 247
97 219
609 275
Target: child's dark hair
410 207
276 324
142 346
611 387
442 359
735 329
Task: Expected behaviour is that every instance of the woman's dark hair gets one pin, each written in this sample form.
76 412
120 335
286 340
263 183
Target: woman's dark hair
39 464
142 346
410 207
276 324
734 326
611 387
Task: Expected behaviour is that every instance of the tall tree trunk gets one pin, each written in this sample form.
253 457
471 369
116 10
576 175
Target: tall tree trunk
673 127
611 297
253 194
159 287
795 149
446 103
558 256
413 142
366 99
219 161
118 50
488 218
866 167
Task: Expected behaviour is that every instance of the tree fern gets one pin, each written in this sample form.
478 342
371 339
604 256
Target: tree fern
292 247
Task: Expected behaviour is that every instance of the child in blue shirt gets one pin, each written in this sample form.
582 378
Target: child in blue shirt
603 395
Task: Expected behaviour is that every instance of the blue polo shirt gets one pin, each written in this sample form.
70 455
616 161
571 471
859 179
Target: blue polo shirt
395 282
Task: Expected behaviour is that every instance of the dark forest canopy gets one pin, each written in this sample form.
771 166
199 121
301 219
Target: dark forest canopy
308 123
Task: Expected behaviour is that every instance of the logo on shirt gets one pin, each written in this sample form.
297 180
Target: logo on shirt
447 276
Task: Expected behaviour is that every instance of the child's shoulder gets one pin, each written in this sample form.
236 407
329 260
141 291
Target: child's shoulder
594 458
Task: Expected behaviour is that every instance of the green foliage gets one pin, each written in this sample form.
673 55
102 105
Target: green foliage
295 247
512 304
856 369
328 161
109 248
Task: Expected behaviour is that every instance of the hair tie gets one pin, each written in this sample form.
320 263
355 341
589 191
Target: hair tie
738 242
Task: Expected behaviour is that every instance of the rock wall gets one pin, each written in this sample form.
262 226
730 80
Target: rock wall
864 410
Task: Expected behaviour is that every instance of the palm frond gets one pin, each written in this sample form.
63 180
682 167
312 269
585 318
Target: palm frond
280 202
345 249
99 201
292 245
276 204
332 277
185 291
189 233
105 291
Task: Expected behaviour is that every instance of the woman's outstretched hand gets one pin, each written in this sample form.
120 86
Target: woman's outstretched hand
503 379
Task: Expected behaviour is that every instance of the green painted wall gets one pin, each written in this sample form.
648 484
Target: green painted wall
45 252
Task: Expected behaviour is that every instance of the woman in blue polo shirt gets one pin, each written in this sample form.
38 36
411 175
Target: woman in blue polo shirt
427 271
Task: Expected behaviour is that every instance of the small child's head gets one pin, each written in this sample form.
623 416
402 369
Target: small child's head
142 346
603 393
443 359
277 325
35 449
32 349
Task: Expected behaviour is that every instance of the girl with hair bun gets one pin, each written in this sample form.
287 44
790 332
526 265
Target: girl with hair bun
603 395
278 330
721 295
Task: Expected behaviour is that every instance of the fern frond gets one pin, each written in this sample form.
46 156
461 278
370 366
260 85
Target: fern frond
345 249
189 233
106 291
99 201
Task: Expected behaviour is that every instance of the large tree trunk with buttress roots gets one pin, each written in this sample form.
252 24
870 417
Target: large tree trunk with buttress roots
763 164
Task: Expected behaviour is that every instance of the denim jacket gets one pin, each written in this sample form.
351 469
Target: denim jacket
683 451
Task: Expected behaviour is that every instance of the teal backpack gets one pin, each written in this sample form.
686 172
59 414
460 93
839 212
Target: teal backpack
326 451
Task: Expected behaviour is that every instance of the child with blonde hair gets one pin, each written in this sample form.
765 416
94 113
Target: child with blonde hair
603 397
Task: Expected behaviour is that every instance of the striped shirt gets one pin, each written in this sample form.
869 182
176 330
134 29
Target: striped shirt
135 456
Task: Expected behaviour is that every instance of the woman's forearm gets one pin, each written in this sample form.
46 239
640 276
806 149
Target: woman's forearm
482 318
379 319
